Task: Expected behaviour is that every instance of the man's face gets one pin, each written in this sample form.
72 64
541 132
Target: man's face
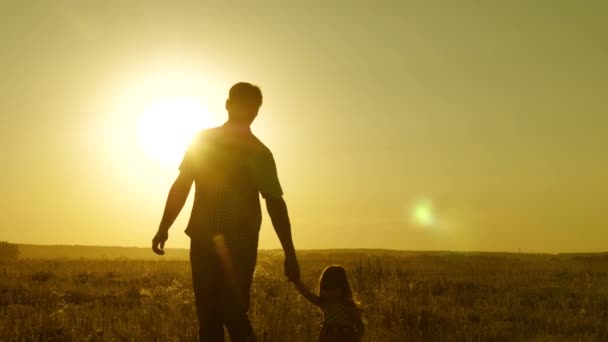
242 111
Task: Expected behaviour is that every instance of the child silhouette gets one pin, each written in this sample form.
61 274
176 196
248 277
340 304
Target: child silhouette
342 320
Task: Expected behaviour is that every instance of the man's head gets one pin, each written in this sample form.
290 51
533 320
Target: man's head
244 101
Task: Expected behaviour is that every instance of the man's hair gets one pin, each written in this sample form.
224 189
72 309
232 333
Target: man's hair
245 93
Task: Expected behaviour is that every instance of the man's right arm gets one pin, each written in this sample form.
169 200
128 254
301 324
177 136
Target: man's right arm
178 194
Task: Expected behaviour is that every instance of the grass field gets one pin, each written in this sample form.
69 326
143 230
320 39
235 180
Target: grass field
405 297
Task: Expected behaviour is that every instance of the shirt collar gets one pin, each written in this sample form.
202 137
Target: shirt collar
236 127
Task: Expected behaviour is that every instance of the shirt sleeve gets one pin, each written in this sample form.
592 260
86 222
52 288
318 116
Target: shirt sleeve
191 158
266 177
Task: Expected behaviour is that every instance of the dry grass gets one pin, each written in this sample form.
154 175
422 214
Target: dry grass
434 297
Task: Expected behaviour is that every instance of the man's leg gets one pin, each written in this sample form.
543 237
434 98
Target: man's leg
237 296
207 282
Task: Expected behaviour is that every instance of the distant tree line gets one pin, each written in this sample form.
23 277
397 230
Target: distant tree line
8 251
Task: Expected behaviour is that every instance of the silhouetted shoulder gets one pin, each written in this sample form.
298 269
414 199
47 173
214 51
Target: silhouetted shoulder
193 157
206 138
265 170
207 133
259 146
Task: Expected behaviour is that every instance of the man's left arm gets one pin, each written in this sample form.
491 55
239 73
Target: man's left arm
270 188
277 210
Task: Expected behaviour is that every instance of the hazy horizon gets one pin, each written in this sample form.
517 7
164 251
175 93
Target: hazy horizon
278 248
71 252
394 124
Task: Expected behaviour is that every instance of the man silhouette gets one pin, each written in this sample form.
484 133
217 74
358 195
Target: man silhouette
230 167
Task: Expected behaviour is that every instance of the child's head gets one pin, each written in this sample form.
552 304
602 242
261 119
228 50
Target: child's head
334 284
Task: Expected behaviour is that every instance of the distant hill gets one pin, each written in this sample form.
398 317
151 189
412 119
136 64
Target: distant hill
28 251
96 252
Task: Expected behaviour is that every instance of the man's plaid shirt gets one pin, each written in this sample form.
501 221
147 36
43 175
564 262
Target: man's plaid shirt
230 168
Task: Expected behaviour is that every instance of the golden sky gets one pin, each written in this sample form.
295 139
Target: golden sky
453 125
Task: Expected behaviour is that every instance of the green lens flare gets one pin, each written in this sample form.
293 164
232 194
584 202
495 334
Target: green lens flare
423 213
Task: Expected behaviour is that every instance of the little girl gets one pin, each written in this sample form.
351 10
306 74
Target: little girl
342 320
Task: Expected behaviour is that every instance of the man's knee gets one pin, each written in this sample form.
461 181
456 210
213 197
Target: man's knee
239 327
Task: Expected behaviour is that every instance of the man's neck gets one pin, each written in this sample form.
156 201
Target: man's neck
237 126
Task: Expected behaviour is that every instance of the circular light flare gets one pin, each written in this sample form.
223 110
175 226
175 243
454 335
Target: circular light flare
168 125
423 214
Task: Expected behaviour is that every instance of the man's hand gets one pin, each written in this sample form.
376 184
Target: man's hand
175 202
292 268
277 209
159 239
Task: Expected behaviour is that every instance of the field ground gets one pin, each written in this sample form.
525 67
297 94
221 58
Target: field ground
405 297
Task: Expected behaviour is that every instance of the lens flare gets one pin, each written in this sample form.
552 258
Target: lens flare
422 213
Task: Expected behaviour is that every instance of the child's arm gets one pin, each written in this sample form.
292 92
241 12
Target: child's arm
311 297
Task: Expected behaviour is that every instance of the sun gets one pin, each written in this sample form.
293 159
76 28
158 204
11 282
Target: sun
167 126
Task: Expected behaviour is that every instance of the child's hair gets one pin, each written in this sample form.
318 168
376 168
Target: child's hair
334 277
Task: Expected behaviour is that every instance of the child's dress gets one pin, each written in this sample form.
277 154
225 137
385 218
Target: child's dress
339 322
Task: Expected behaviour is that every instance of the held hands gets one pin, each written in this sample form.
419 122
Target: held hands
159 239
292 268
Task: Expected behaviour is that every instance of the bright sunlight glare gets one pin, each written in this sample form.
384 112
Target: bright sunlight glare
422 213
167 126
